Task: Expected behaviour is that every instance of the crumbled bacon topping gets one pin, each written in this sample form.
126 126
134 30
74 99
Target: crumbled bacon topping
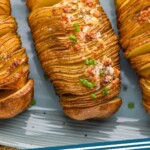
88 2
100 43
66 9
107 61
76 47
102 73
144 16
95 13
90 35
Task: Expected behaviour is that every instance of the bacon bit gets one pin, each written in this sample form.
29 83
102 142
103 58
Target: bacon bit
67 31
107 79
107 61
90 35
55 12
82 26
115 82
88 2
102 80
100 44
76 47
96 13
116 72
95 54
91 72
144 16
66 9
15 64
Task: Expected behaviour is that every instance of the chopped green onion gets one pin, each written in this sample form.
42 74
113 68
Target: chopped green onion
77 27
90 62
93 96
149 35
131 105
94 62
46 77
90 84
102 73
33 102
73 38
86 83
81 80
87 62
105 91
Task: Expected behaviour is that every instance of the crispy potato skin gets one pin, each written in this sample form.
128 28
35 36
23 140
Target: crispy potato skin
52 23
134 28
102 111
16 90
17 102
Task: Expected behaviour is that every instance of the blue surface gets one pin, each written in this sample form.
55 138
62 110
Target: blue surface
45 125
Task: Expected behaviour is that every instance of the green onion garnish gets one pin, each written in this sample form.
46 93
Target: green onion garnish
102 73
33 102
131 105
105 91
90 84
149 35
90 62
93 96
46 77
87 62
86 83
81 80
94 62
73 38
77 27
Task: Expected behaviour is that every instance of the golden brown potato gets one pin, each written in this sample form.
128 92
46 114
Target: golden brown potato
16 91
134 28
13 102
103 110
79 52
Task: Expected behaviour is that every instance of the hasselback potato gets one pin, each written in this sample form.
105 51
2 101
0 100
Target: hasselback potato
78 50
134 28
15 89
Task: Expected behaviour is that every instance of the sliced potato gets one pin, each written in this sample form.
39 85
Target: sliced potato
63 53
16 102
134 28
16 91
104 110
